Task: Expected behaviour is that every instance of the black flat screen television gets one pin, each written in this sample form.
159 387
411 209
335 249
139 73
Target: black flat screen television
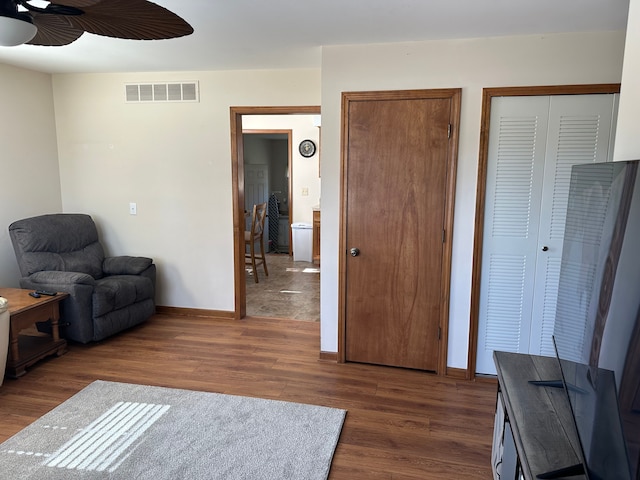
594 406
597 310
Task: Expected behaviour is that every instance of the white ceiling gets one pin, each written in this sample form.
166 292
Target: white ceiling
265 34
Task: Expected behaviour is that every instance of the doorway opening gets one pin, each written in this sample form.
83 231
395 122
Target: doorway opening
251 126
267 179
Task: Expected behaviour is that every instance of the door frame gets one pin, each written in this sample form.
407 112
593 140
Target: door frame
455 95
483 159
237 192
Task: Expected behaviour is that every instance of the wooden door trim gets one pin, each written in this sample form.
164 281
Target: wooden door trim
483 157
454 94
237 188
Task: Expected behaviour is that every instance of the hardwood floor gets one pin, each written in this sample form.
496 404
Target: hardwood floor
400 425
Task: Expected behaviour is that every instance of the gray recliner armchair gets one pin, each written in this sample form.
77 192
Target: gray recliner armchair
62 253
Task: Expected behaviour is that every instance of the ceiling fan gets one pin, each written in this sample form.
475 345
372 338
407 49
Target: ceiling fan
61 22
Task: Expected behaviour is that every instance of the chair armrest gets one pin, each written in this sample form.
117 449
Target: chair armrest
53 277
76 310
125 265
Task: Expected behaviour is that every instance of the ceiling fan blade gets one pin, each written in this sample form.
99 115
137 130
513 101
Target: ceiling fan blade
130 19
53 30
77 3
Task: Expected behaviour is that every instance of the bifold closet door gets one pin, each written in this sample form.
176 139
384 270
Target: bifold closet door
533 142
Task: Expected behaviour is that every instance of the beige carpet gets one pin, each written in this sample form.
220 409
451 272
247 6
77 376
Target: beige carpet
123 431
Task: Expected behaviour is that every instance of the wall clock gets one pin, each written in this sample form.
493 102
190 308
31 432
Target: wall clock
307 148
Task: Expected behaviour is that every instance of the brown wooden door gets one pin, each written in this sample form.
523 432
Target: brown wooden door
398 159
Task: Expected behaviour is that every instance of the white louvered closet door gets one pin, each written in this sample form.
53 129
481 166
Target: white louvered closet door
533 142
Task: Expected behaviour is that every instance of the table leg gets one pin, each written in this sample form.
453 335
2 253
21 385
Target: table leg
15 352
55 318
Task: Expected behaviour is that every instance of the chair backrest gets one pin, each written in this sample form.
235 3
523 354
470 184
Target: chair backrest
63 242
258 216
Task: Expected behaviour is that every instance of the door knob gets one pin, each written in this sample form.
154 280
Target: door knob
354 252
545 248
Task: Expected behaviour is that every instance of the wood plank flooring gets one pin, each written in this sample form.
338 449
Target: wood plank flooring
400 425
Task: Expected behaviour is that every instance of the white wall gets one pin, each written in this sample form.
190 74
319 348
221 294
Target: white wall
471 64
174 161
30 183
305 170
627 145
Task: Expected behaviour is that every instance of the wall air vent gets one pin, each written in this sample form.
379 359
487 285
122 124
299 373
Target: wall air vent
162 92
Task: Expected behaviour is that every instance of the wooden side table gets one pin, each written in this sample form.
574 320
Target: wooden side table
27 347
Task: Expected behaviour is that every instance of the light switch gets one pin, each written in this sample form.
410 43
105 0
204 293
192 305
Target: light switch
133 208
305 191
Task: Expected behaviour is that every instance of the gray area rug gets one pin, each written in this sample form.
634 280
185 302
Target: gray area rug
123 431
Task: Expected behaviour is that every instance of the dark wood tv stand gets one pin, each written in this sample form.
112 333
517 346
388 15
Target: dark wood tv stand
539 418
